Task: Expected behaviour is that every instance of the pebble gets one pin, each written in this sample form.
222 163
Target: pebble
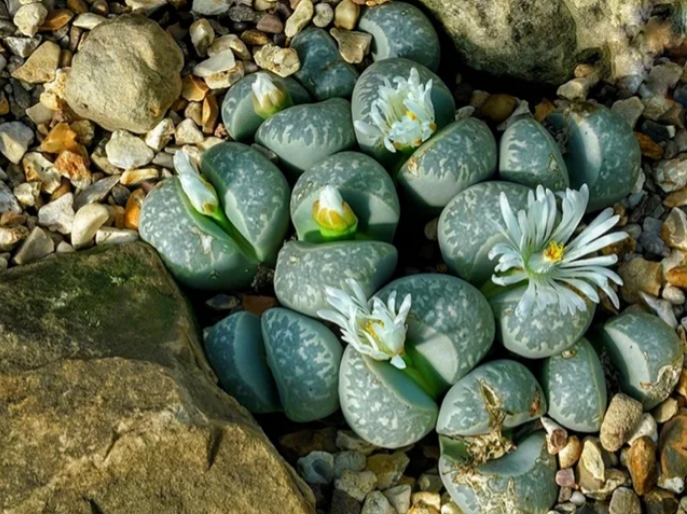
218 63
96 192
641 463
11 236
349 460
88 21
646 427
357 484
399 497
570 453
660 502
58 215
230 42
87 221
674 295
353 45
497 108
450 508
15 138
38 168
665 410
211 7
255 37
630 109
29 17
271 24
429 482
662 308
427 499
591 467
577 89
658 131
620 421
138 176
225 79
565 477
188 133
317 467
377 503
127 151
650 239
624 501
683 506
638 274
160 135
301 443
662 77
22 46
243 13
324 15
304 12
8 202
36 246
673 457
674 229
27 193
343 503
39 113
193 89
346 15
202 35
671 175
389 468
282 61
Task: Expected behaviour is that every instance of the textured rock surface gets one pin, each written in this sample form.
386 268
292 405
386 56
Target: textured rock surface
133 47
105 408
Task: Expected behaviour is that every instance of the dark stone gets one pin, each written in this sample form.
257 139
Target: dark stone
656 131
342 503
660 501
243 13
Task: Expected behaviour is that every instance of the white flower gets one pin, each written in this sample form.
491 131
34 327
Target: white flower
402 117
373 328
199 191
540 251
268 98
333 215
331 199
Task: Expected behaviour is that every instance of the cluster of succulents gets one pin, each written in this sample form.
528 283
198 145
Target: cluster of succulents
524 280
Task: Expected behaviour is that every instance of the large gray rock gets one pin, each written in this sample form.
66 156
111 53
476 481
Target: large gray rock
539 40
126 74
107 404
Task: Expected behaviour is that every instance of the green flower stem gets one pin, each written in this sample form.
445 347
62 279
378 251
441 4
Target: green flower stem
221 219
329 236
412 372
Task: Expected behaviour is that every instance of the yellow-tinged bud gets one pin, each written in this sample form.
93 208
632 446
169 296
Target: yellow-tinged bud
269 97
333 215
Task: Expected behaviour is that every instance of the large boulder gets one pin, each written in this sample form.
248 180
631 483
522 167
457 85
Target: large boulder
107 404
540 40
126 74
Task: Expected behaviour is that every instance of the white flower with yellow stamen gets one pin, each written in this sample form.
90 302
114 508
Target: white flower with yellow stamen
372 327
541 252
269 98
199 191
332 214
402 117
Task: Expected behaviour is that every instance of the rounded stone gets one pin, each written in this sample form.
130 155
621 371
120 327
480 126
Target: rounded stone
621 420
134 47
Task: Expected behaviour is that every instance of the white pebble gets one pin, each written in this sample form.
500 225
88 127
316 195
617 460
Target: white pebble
87 221
111 235
58 215
127 151
15 138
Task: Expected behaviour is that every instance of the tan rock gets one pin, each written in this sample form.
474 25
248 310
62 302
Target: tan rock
388 468
301 16
29 17
282 61
56 19
74 166
133 209
641 462
638 275
346 15
194 89
620 421
38 168
210 114
672 447
232 42
135 177
676 198
11 236
36 246
41 65
498 107
54 92
121 412
570 453
353 45
674 229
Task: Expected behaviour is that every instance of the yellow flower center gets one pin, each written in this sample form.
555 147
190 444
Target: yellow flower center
554 252
411 115
369 327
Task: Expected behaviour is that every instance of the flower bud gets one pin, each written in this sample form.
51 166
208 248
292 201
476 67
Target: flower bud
269 97
199 191
333 215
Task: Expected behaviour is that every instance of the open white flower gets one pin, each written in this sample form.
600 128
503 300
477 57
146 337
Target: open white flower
402 117
372 327
540 251
268 97
332 214
199 191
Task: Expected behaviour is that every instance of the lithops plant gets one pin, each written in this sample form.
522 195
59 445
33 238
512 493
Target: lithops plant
398 104
363 185
239 113
467 230
213 234
441 330
521 482
600 150
576 388
304 270
400 29
647 354
303 135
461 154
284 361
323 71
537 335
529 155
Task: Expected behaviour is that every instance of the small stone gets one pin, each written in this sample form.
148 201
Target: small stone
577 89
225 79
29 17
620 421
376 502
8 202
271 24
346 15
674 231
565 477
624 501
221 62
301 16
676 198
666 410
660 502
243 13
349 460
427 499
160 135
40 114
662 308
202 35
255 37
74 166
399 497
138 176
15 138
672 448
87 221
282 61
40 67
674 268
353 45
27 193
641 463
356 484
301 443
60 138
193 88
630 110
658 131
38 168
36 246
187 133
655 107
347 440
497 108
56 19
96 192
11 236
646 427
324 15
58 215
591 468
674 295
88 21
343 503
127 151
210 115
230 42
671 175
570 453
683 506
317 467
133 209
422 509
429 482
661 78
388 467
211 7
22 46
649 147
638 275
450 508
